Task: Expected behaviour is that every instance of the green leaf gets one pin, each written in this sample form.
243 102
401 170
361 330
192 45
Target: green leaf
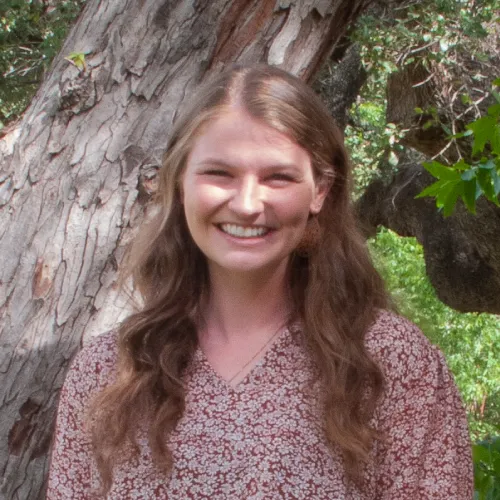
489 165
461 165
469 195
444 45
446 129
465 98
494 110
431 190
77 59
389 67
480 453
445 189
450 199
446 193
466 133
496 463
428 124
440 171
393 159
485 182
495 178
483 129
468 175
496 82
495 140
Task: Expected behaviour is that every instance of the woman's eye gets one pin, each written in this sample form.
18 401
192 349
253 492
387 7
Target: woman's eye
281 177
217 173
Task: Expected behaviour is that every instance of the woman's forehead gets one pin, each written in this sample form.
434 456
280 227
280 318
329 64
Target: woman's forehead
235 137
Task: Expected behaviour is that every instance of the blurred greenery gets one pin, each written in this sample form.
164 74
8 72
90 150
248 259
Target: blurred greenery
470 180
419 33
471 342
372 142
486 455
31 34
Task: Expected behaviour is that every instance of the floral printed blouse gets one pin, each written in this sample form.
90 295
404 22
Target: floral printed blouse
263 438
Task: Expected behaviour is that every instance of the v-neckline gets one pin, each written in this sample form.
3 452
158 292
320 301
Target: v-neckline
257 366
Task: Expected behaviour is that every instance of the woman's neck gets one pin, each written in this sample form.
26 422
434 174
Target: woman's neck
241 306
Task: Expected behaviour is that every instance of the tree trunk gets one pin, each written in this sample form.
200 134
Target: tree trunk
462 254
79 170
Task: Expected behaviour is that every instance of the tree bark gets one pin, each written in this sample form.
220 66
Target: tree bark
440 87
462 252
462 255
79 169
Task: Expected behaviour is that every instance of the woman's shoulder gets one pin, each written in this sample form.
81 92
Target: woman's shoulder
413 367
396 333
95 364
399 346
426 447
100 351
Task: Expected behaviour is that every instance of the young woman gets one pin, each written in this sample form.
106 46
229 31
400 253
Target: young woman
264 363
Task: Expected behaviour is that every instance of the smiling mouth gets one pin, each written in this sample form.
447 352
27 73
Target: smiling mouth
244 231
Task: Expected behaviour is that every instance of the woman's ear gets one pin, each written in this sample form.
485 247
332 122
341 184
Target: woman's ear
321 190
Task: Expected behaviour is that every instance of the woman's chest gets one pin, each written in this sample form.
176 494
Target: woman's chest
255 444
241 445
261 439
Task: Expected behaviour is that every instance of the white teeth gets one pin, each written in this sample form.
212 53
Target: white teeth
243 232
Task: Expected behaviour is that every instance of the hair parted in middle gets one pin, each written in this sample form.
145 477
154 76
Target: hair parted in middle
336 291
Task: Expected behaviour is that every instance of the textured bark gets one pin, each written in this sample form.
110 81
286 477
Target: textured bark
78 171
340 88
462 254
440 87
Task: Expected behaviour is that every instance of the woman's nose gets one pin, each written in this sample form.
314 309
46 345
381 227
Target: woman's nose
248 198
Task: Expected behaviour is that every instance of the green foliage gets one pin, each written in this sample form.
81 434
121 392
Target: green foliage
30 36
470 181
78 60
427 32
471 342
369 140
391 41
486 456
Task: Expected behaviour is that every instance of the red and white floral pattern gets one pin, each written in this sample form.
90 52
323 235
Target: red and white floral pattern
264 440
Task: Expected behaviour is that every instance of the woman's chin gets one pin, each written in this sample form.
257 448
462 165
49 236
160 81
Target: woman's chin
245 264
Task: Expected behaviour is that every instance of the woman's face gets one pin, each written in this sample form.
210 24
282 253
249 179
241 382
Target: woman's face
247 192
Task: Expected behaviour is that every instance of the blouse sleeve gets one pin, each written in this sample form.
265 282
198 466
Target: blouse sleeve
426 452
70 474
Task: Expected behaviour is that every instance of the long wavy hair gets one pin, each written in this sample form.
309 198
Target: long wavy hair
335 289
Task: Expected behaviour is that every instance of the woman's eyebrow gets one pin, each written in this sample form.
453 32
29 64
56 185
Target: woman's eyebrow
215 161
223 163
